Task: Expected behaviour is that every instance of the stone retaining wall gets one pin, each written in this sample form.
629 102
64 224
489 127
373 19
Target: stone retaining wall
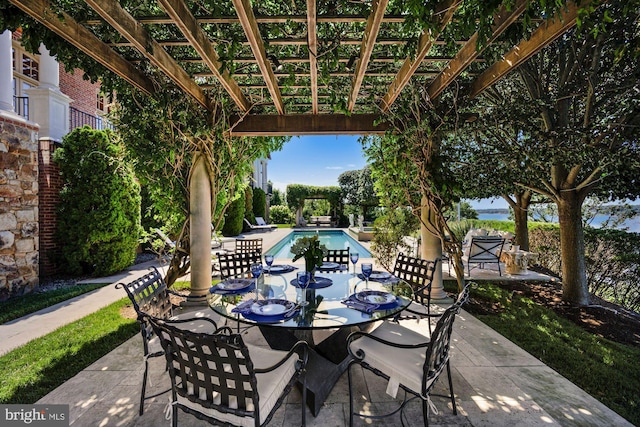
19 227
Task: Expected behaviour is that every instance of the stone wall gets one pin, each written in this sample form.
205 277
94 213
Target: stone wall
19 228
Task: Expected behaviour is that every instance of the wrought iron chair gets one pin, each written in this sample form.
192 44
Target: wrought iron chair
220 379
339 256
419 274
484 250
237 264
150 296
247 246
422 360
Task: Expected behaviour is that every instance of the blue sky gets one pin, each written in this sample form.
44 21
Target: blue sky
319 160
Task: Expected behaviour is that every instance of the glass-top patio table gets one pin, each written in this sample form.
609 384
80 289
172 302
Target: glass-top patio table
339 303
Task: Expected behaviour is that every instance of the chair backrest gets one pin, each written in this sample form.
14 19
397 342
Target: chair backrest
149 295
340 256
417 272
485 248
260 221
438 349
237 264
210 370
247 246
463 296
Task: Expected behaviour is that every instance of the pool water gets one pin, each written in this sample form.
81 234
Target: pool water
333 239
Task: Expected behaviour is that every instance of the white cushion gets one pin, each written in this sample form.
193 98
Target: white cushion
400 364
270 386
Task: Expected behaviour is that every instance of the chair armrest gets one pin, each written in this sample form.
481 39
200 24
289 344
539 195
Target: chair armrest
419 313
357 334
301 345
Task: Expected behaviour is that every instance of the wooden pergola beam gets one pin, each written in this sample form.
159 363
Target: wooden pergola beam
446 9
469 52
250 26
307 124
541 37
261 19
313 52
366 47
126 25
185 21
86 41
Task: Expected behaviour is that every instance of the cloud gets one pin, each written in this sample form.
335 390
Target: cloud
337 168
351 165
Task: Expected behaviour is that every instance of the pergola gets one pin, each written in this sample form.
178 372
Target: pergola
292 68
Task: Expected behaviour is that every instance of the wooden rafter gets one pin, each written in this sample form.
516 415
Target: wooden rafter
541 37
469 52
307 124
185 21
86 41
313 53
446 10
250 26
368 42
276 19
126 25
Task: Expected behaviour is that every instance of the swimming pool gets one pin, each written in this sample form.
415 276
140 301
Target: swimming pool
332 239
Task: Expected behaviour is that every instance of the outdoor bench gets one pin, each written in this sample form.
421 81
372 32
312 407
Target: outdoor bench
321 220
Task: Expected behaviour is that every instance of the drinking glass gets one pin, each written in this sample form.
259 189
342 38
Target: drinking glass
367 269
303 281
355 256
268 259
256 271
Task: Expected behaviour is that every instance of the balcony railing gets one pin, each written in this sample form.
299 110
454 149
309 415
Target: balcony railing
79 118
21 106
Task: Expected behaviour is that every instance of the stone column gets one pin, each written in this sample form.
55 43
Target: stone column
47 105
6 72
200 229
430 250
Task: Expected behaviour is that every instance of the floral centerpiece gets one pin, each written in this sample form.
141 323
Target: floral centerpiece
311 250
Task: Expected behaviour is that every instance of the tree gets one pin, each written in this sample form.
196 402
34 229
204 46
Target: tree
358 189
583 97
99 211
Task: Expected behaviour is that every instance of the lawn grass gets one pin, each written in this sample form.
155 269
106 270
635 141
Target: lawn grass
608 371
33 370
17 307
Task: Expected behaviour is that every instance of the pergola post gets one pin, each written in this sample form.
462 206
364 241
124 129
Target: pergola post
431 249
200 227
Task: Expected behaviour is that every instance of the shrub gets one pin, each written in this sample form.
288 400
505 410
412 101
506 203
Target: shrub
233 218
280 215
248 207
99 211
389 234
259 202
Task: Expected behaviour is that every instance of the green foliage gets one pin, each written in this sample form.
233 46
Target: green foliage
248 205
99 211
259 202
311 250
390 230
280 215
316 207
612 261
358 189
233 218
277 198
297 194
604 369
466 212
16 307
42 365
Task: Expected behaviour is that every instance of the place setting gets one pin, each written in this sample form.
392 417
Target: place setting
276 269
271 310
318 282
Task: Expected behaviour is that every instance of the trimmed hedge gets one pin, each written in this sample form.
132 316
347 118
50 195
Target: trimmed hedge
259 202
233 216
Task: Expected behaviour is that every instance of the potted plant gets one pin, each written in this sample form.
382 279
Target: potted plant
311 250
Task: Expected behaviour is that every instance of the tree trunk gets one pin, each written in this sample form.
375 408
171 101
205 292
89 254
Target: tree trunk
574 277
521 218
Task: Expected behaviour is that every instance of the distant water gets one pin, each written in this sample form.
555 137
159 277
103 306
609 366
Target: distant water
632 224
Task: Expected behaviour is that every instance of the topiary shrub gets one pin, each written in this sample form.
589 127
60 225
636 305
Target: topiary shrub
280 215
233 218
248 207
259 202
99 211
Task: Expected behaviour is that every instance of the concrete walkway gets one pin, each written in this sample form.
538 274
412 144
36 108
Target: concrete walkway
496 383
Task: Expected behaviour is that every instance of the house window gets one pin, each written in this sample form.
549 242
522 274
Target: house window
103 103
26 73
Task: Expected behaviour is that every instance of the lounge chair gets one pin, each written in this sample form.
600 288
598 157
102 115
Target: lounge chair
259 227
